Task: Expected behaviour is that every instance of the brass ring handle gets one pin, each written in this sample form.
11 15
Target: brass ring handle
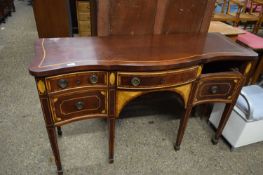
63 83
214 89
93 79
80 105
135 81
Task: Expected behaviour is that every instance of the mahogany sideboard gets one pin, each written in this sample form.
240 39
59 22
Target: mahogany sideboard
96 77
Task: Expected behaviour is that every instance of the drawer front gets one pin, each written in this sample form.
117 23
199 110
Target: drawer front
218 87
84 26
78 104
83 16
154 80
74 80
83 6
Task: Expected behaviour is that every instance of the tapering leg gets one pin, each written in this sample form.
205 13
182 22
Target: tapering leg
111 123
59 131
51 129
183 123
225 116
54 145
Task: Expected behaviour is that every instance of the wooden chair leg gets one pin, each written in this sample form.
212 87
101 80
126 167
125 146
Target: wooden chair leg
111 124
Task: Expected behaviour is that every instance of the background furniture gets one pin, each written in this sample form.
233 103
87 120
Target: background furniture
121 17
225 29
256 43
245 125
59 18
224 15
250 16
6 8
52 18
84 10
243 12
83 15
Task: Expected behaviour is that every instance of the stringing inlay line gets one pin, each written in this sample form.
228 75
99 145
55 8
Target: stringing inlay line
112 61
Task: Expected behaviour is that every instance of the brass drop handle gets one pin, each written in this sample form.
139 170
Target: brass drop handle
135 81
93 79
80 105
63 83
214 89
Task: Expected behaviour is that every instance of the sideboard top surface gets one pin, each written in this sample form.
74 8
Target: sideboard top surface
133 53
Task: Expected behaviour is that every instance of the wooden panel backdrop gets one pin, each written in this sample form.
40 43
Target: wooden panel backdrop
139 17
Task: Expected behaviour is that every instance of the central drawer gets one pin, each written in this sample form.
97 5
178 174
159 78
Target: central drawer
78 104
154 80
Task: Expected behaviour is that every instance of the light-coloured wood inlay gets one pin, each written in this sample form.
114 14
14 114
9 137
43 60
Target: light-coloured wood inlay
112 78
248 68
41 87
199 71
123 97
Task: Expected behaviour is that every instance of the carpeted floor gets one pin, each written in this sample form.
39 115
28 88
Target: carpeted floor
144 137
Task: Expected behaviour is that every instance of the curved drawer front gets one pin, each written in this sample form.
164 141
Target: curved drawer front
154 80
78 104
81 79
217 87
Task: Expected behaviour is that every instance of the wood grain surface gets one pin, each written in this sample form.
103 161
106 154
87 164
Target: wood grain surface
133 53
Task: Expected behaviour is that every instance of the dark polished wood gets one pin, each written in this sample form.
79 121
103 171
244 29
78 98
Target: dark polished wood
139 17
59 18
112 85
139 53
96 77
52 18
187 16
50 126
111 123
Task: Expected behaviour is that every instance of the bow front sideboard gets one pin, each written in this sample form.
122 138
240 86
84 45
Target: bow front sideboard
96 77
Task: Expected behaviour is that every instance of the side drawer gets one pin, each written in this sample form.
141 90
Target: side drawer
74 80
78 104
154 80
218 87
